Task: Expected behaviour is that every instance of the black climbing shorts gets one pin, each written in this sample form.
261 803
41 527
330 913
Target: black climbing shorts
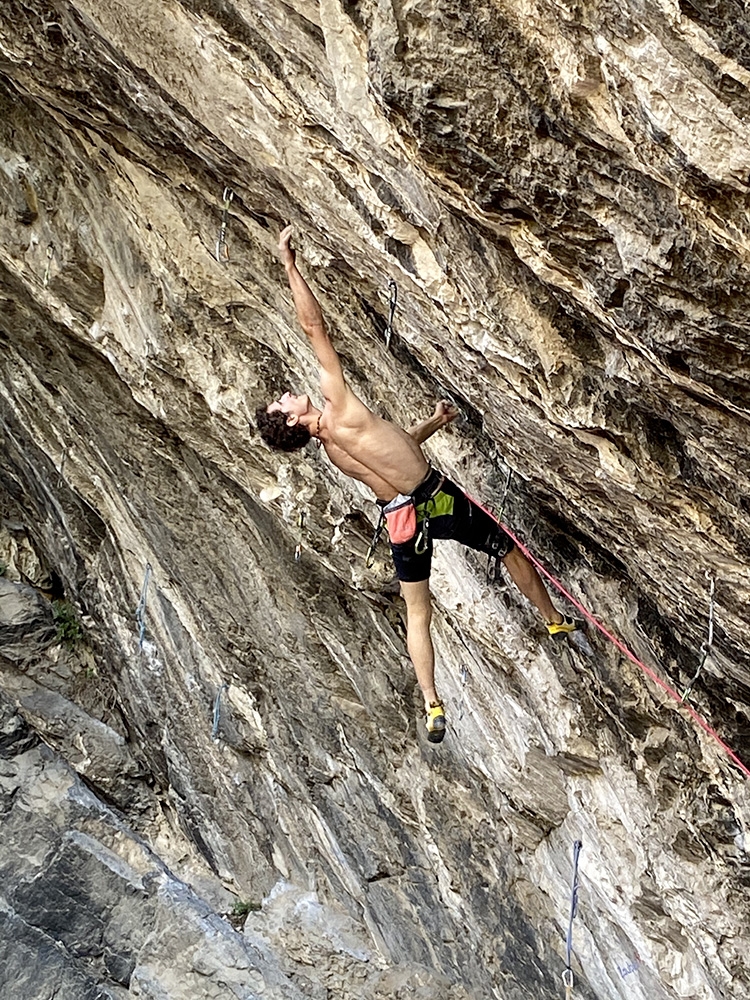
451 514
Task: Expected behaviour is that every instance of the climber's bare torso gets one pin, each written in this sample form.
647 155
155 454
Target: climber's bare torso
374 451
362 445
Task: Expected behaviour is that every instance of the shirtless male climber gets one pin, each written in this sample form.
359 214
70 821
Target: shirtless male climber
390 461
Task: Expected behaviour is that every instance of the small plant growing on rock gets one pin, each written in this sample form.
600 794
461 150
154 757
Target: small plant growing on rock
241 909
69 630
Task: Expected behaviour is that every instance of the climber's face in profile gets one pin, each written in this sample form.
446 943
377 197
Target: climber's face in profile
293 406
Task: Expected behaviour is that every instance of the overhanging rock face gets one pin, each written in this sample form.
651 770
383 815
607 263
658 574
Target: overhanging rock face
562 197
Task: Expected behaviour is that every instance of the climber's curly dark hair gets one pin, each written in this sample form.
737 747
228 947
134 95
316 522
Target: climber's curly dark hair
277 433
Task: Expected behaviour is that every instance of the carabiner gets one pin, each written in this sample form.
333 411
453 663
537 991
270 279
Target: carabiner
423 536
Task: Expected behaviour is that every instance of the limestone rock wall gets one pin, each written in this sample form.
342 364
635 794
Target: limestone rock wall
240 801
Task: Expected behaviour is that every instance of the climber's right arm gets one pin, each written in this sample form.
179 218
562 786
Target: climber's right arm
310 316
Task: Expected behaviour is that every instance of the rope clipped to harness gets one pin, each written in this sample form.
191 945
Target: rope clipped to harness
568 974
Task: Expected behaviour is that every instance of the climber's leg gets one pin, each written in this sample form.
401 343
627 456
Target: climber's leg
419 643
524 575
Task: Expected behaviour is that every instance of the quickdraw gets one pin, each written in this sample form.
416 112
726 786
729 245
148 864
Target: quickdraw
568 974
140 611
370 557
217 713
221 251
393 290
464 674
493 573
423 536
50 256
301 526
706 646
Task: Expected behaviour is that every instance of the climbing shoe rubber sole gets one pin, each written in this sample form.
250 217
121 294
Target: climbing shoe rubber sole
560 630
435 723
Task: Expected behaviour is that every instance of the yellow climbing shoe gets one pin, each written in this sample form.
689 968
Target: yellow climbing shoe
435 722
558 630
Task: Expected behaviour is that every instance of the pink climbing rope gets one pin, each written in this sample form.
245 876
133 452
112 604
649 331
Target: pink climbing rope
623 648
